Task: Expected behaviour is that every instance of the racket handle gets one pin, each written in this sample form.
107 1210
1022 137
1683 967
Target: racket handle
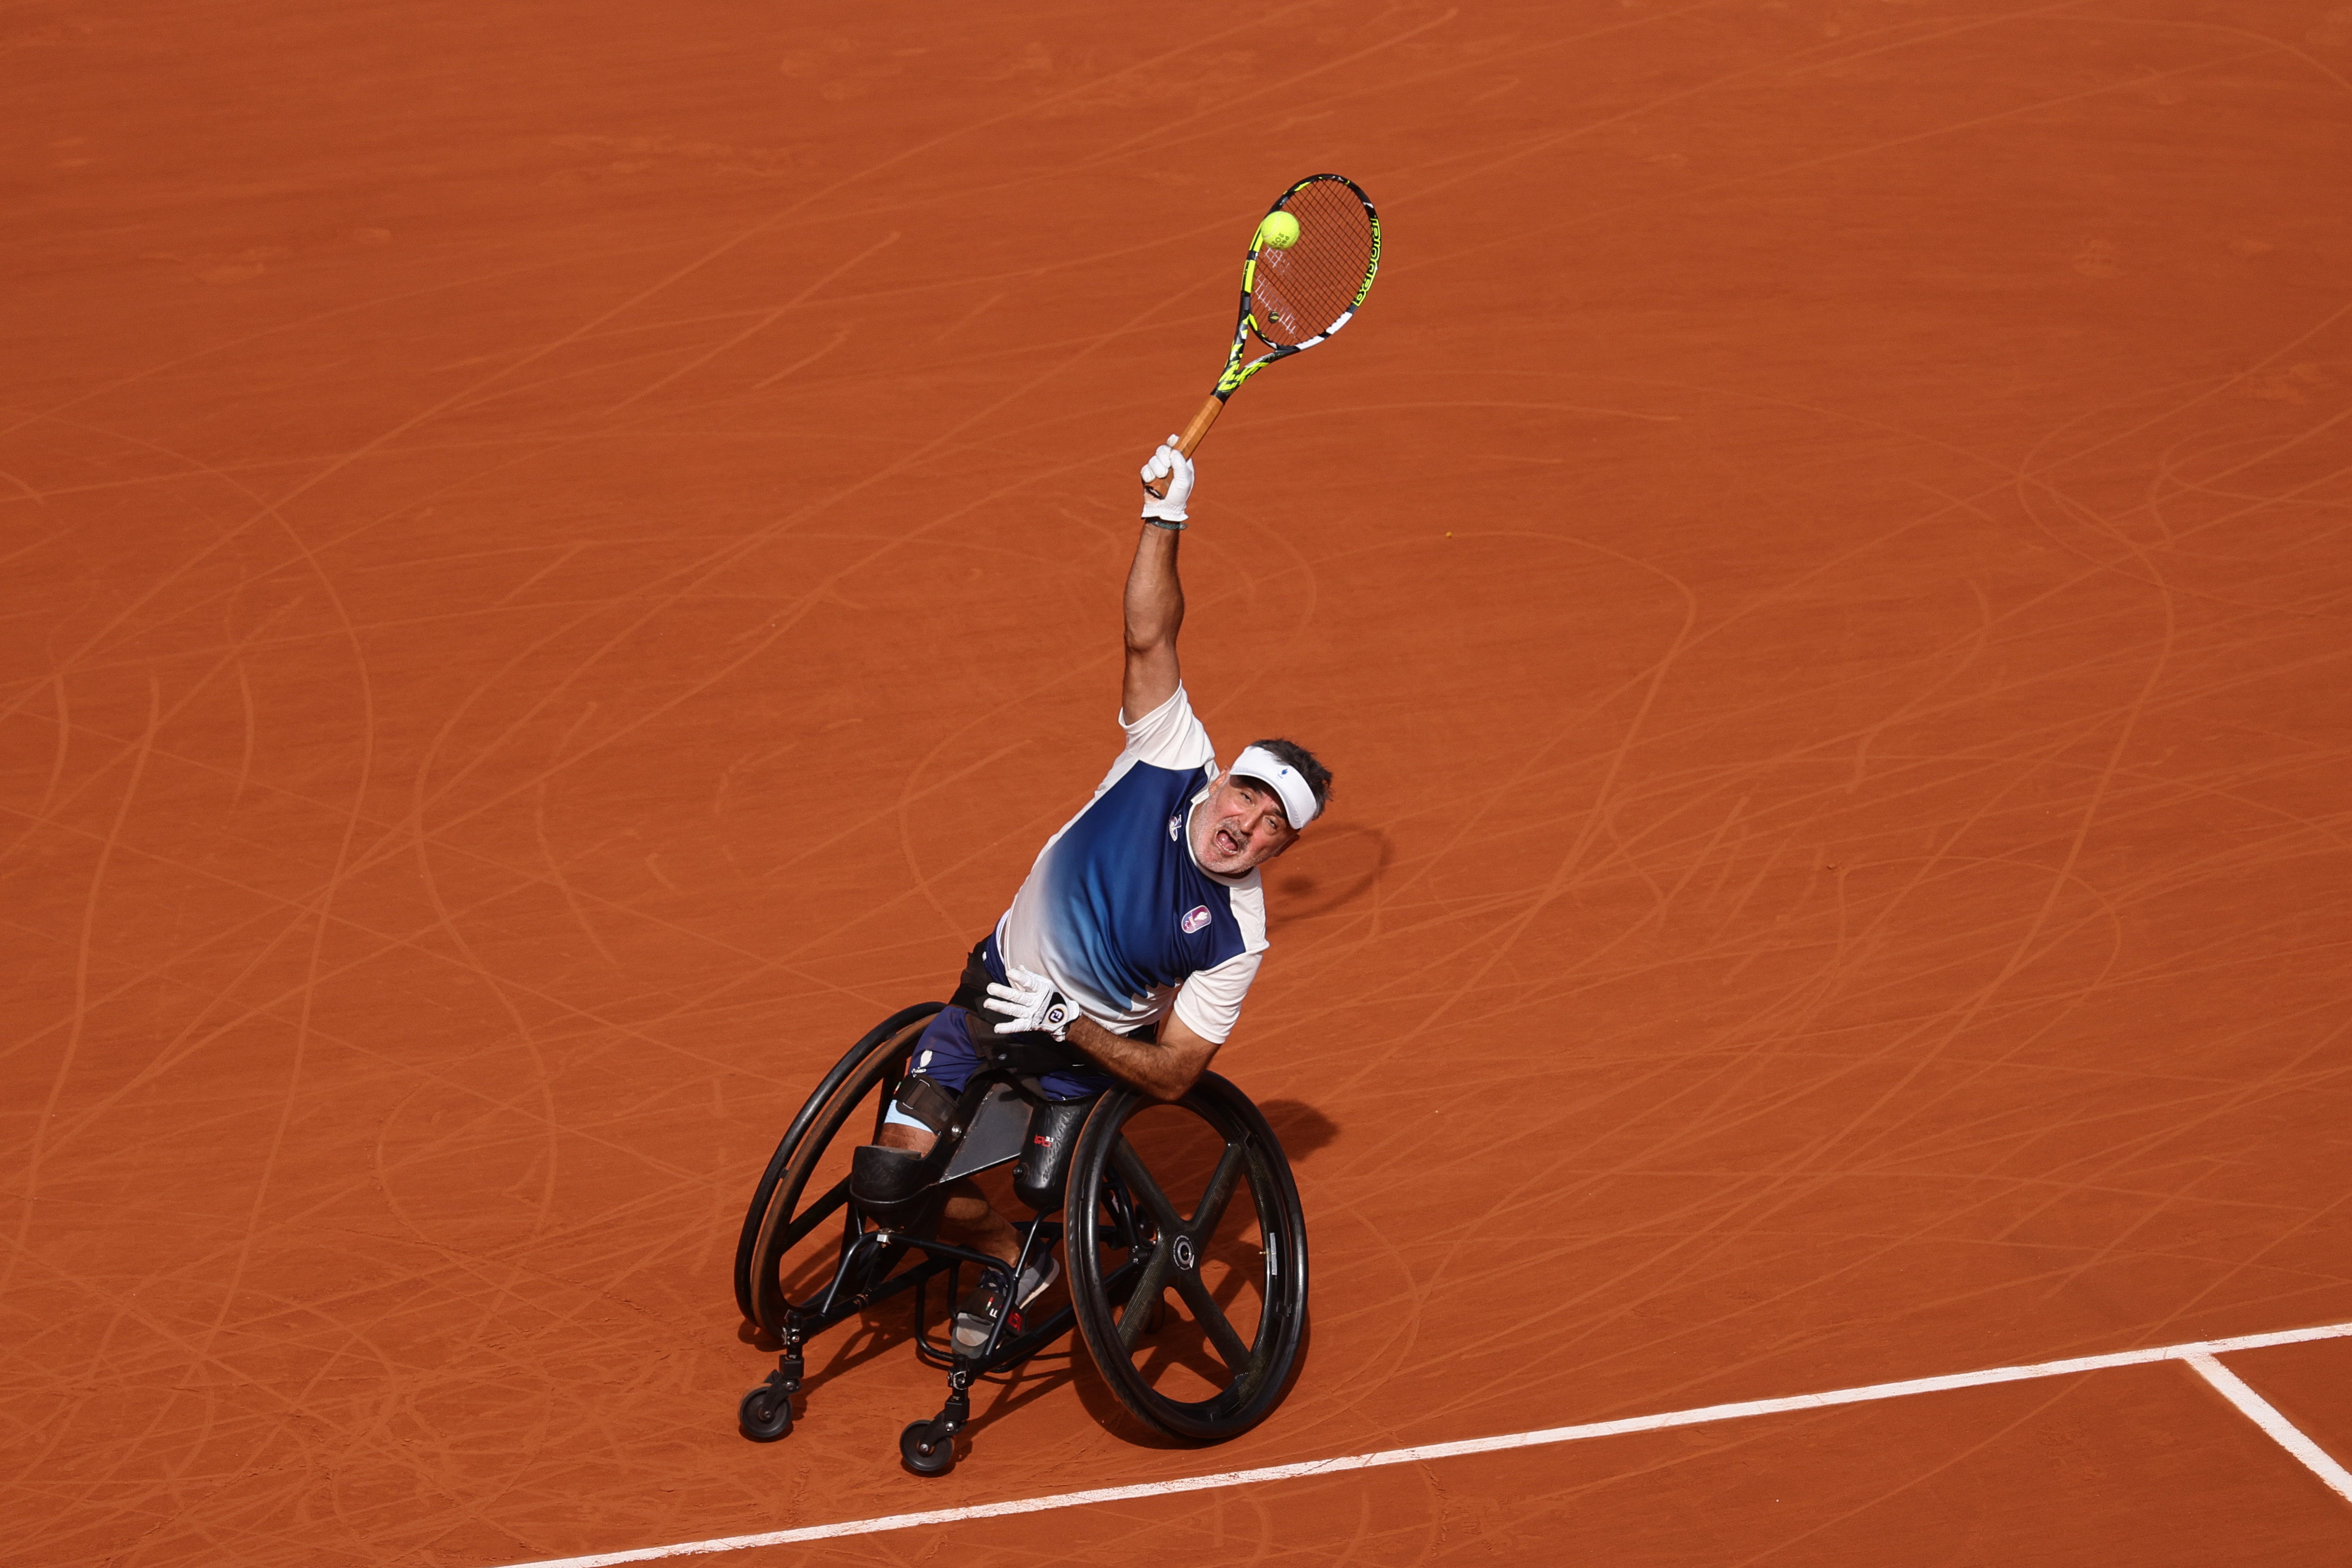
1194 432
1199 425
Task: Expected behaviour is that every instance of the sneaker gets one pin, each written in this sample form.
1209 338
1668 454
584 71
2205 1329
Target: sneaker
976 1313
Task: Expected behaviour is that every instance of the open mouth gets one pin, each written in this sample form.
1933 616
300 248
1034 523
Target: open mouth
1225 843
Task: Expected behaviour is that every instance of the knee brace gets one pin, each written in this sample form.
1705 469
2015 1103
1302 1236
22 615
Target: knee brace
922 1099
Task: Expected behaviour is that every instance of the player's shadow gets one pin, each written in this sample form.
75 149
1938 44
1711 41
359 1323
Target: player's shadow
1330 868
1301 1127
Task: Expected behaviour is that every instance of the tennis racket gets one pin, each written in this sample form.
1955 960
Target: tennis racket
1294 298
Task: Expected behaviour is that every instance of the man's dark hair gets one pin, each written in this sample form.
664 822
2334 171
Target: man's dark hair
1319 777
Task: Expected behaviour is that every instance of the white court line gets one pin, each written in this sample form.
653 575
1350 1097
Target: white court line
2197 1353
2265 1414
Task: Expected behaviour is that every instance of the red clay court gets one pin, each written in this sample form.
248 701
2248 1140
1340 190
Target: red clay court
560 561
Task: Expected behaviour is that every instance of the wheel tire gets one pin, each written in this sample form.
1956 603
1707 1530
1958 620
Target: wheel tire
766 1414
765 1192
786 1231
1141 1237
923 1454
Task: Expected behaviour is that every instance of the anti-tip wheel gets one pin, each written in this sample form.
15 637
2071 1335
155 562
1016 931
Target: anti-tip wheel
924 1453
766 1414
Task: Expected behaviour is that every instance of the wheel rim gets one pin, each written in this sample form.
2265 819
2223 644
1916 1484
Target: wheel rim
1191 1207
807 1219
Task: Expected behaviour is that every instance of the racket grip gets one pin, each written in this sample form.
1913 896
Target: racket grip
1194 432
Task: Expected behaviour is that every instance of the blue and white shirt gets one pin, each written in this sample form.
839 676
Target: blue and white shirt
1119 914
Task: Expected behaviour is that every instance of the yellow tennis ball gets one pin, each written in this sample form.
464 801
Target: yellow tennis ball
1278 232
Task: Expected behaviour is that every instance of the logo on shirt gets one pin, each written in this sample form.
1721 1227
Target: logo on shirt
1175 826
1194 918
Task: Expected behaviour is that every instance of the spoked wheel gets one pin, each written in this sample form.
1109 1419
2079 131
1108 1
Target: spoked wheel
1188 1258
800 1219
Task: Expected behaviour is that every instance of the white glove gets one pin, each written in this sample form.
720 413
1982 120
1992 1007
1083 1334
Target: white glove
1174 467
1031 1003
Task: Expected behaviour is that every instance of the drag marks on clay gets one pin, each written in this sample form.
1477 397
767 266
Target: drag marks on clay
1761 818
307 986
2103 776
1430 1462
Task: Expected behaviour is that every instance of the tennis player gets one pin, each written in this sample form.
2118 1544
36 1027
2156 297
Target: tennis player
1141 924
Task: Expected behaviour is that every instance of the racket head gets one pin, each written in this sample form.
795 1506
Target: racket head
1293 298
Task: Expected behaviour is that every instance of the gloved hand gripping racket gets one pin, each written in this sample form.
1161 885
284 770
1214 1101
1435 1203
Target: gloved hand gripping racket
1173 470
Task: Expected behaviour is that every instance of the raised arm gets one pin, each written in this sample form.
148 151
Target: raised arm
1155 596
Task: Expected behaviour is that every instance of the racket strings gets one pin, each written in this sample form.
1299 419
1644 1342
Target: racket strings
1300 292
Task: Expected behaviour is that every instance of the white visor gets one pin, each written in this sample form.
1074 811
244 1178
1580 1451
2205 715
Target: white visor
1298 799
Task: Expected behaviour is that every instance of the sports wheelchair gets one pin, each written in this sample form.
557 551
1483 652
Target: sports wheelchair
1192 1305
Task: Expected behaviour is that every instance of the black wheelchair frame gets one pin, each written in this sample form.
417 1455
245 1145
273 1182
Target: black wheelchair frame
1126 1246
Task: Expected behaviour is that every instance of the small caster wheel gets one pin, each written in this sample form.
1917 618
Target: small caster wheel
924 1453
766 1414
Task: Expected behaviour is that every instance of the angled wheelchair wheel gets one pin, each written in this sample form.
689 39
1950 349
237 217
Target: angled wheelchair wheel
798 1223
1187 1255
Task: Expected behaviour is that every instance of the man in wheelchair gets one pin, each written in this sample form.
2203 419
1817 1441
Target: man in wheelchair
1126 954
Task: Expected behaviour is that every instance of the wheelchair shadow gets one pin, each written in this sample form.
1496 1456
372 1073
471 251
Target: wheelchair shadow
883 1328
1302 1129
1063 1365
871 1337
995 1398
1110 1414
1095 1394
888 1329
850 1344
1049 1371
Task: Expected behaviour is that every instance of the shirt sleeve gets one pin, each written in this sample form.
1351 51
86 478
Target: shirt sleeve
1210 1001
1169 736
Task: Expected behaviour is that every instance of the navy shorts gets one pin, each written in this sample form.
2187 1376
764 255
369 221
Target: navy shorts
944 1053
